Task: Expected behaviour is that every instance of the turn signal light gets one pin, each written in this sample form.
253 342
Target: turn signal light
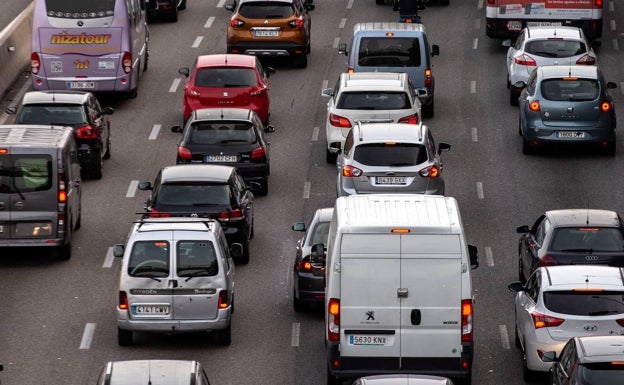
541 320
534 105
351 172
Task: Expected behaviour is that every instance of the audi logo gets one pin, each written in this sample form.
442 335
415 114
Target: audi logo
591 258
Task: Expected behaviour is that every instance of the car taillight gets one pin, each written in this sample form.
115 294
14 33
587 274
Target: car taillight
586 60
339 121
605 106
62 194
223 299
430 172
541 320
466 320
598 3
547 260
126 62
123 300
428 77
297 23
184 153
491 2
411 119
235 23
525 60
258 153
85 132
305 265
333 319
620 321
35 63
351 172
231 215
534 105
154 213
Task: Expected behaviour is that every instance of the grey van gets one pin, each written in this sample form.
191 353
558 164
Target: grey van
395 47
40 190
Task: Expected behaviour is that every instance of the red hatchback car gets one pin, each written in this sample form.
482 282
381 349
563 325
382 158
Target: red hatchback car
227 80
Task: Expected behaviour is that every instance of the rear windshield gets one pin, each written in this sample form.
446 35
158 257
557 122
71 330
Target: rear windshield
185 194
221 133
389 52
80 9
373 101
578 89
266 10
587 239
392 155
25 173
149 259
196 259
606 373
51 114
555 48
585 303
225 77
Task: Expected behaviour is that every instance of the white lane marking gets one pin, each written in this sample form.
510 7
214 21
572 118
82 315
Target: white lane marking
108 260
350 4
19 96
324 84
475 43
612 24
155 130
221 3
489 257
336 42
478 24
296 331
343 21
616 47
473 86
315 133
480 190
132 189
480 4
209 22
622 87
197 41
474 134
306 190
504 336
87 336
174 85
611 8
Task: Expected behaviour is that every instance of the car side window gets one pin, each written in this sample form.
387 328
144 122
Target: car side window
239 186
203 379
541 231
259 126
431 147
336 90
533 285
532 82
519 40
225 252
348 142
261 69
149 259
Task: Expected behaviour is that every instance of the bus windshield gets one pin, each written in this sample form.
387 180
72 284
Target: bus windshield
83 9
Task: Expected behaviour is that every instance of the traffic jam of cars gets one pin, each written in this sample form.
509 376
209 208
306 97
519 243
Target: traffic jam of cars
392 224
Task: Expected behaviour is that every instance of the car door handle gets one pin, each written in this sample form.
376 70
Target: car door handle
402 292
415 317
173 283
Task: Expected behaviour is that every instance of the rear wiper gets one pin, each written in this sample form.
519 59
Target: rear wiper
234 140
196 273
400 164
602 312
139 274
205 204
576 250
274 17
17 190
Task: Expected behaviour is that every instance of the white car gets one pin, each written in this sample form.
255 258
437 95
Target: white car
368 97
546 45
564 301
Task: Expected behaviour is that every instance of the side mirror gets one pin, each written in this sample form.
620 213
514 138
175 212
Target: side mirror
108 110
611 85
327 92
443 147
177 129
144 186
269 71
299 226
118 250
550 356
142 5
473 253
184 71
11 110
230 7
596 44
516 287
236 250
506 43
318 254
310 7
435 50
269 128
342 49
520 84
523 229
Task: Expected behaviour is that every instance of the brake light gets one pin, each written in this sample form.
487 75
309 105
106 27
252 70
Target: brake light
586 60
339 121
430 172
223 299
411 119
598 3
236 23
541 320
466 320
428 77
620 321
525 60
333 319
126 62
351 172
297 23
605 106
123 300
153 213
231 215
85 132
547 260
491 2
258 153
534 105
35 63
184 153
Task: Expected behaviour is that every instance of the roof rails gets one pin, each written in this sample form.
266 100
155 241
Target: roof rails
178 218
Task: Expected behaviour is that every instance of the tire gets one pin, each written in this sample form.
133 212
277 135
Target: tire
97 169
182 5
224 337
610 149
244 259
517 338
330 157
107 154
513 96
380 2
145 62
64 252
174 17
527 148
264 187
79 221
302 61
298 304
428 110
527 374
331 380
124 337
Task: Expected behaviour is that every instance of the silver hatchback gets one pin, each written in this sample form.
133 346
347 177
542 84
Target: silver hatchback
383 158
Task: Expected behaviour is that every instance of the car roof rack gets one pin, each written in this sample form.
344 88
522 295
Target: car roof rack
178 218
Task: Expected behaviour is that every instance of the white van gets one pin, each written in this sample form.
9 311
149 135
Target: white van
398 291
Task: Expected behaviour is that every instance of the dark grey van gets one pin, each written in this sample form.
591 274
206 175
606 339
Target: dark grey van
395 47
39 187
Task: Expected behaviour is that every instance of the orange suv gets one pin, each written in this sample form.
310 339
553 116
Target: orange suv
271 28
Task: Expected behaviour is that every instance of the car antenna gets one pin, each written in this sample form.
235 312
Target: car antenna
587 216
222 114
149 372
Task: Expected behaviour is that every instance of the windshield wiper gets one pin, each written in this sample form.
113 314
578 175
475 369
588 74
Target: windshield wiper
196 273
400 164
577 250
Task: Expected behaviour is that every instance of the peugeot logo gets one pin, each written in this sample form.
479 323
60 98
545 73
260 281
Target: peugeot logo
591 258
370 315
590 328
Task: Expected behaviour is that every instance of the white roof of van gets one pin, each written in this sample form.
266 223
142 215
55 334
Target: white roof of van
373 212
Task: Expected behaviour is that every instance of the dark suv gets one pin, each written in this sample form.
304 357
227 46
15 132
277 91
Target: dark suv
79 110
205 191
166 8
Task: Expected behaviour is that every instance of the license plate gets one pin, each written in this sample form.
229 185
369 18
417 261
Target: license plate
265 33
391 180
368 340
56 66
221 158
151 309
543 23
571 134
72 85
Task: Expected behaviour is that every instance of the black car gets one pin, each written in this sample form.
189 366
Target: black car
81 111
571 237
164 8
205 191
228 136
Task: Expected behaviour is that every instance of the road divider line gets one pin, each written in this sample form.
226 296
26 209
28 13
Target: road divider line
306 190
504 336
611 8
480 190
197 41
87 336
108 260
336 42
350 4
343 21
155 131
616 47
474 134
324 84
209 22
132 189
174 85
475 43
480 4
473 86
295 333
315 133
489 257
612 24
221 3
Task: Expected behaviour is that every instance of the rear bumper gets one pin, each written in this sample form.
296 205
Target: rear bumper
222 321
268 49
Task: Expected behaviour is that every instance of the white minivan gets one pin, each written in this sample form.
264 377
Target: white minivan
398 291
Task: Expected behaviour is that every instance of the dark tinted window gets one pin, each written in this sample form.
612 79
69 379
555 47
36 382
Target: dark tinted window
52 114
321 231
578 89
373 101
196 259
149 259
555 48
602 373
83 9
184 194
389 52
225 77
584 303
221 133
394 155
28 173
588 239
266 10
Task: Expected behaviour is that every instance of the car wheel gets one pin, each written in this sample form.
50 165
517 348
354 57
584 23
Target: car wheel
302 61
244 259
610 149
182 5
107 154
224 336
298 304
124 337
64 252
97 168
527 148
330 157
174 16
331 380
427 110
79 221
264 187
146 58
380 2
513 96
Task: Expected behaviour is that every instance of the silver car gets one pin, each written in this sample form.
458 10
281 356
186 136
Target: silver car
383 158
561 302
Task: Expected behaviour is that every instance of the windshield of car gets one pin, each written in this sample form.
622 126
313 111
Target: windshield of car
225 77
570 89
373 100
390 154
149 259
196 259
588 239
193 194
266 10
51 114
221 132
555 48
603 373
389 52
584 303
